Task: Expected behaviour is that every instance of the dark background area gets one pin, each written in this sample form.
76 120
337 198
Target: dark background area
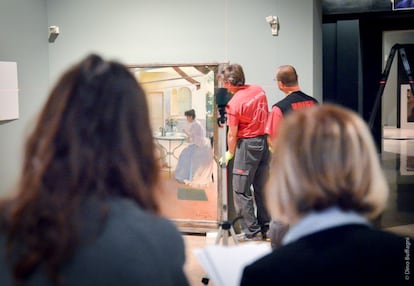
352 52
352 70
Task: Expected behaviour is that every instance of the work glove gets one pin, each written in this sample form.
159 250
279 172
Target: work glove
226 158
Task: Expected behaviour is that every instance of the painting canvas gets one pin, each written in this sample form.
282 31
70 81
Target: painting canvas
407 107
9 94
187 159
402 5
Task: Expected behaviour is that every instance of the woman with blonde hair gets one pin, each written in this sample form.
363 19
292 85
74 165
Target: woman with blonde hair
326 182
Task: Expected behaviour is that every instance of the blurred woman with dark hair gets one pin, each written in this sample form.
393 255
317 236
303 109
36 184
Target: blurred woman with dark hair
86 210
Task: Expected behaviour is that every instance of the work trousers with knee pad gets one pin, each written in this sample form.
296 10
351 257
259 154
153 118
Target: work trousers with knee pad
250 172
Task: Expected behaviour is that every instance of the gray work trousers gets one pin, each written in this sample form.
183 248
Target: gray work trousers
250 170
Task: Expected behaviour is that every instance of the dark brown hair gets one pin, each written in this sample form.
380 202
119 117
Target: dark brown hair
92 139
233 74
190 113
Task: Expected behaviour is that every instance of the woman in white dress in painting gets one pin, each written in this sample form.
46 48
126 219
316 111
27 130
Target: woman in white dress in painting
195 163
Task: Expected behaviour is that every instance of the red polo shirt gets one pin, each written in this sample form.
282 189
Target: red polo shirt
248 110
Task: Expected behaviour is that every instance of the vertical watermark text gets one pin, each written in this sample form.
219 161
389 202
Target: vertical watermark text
407 258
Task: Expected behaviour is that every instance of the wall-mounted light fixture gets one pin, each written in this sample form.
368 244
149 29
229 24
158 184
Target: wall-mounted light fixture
53 33
274 24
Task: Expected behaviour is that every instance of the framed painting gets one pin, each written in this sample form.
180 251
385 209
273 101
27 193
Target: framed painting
407 107
191 193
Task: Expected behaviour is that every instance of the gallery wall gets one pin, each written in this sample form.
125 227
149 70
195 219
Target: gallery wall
156 31
159 31
23 34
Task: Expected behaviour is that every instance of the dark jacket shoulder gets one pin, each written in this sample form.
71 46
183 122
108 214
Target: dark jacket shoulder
345 255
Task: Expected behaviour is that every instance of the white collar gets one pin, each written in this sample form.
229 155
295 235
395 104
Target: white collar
318 221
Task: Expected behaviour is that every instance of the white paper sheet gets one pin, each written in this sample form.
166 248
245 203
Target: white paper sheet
224 264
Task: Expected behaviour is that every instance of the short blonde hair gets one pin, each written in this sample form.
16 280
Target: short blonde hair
324 156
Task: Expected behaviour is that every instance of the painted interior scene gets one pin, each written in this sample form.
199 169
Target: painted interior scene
181 102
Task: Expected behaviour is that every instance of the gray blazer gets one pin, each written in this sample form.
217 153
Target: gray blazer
132 248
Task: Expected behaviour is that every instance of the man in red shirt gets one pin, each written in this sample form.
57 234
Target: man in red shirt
247 113
287 81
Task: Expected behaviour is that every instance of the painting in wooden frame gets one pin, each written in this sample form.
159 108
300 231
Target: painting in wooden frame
192 202
407 107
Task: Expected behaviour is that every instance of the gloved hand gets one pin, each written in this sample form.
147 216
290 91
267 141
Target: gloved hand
227 157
